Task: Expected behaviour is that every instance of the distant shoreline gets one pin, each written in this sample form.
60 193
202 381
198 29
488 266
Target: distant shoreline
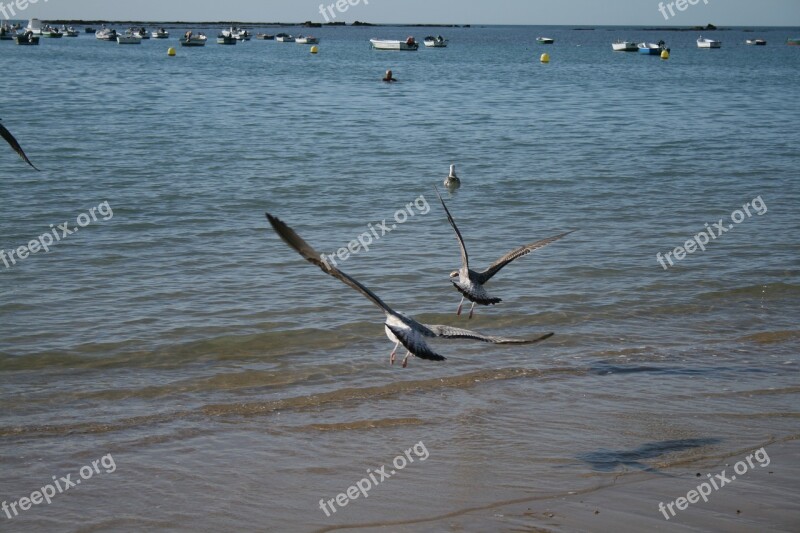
242 24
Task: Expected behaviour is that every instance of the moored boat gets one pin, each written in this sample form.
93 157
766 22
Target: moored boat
545 40
160 33
265 37
34 26
756 42
652 48
106 34
624 46
53 33
142 33
284 38
226 39
435 42
27 38
793 42
306 40
708 43
190 39
7 33
381 44
129 38
69 32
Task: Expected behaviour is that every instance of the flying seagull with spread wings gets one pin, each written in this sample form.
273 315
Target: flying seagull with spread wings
470 282
399 328
5 134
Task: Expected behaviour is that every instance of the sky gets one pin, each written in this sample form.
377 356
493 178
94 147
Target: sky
527 12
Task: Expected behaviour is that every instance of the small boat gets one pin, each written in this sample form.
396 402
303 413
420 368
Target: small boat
7 33
142 33
265 37
69 32
241 35
793 42
226 39
53 33
652 48
545 40
27 38
624 46
284 38
435 42
106 34
129 38
34 26
306 40
189 39
409 44
161 33
708 43
756 42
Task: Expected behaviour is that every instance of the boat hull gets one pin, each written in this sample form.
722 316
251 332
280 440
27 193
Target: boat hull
378 44
624 47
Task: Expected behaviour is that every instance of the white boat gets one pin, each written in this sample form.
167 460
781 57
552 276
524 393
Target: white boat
306 40
435 42
142 33
545 40
51 32
652 48
34 26
69 32
241 35
106 34
624 46
284 38
161 33
757 42
708 43
226 39
381 44
189 39
129 38
7 33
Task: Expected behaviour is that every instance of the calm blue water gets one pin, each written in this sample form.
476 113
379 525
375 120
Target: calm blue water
185 338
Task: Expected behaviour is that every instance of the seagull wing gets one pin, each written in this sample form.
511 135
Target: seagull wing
487 274
464 256
312 256
449 332
15 145
415 344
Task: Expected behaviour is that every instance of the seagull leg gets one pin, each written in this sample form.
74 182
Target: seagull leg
405 359
458 311
472 309
394 352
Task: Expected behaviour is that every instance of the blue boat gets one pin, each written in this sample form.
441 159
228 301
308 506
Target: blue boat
654 49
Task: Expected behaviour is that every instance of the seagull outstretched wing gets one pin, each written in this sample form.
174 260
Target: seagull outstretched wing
15 145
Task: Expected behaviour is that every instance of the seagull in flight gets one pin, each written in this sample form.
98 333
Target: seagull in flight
470 282
5 134
399 328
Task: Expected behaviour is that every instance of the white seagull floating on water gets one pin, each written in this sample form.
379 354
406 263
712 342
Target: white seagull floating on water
400 329
470 282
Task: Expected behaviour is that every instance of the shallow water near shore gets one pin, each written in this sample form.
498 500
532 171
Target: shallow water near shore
236 385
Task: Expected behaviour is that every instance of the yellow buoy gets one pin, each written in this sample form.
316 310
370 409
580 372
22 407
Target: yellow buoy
171 52
545 58
664 54
314 49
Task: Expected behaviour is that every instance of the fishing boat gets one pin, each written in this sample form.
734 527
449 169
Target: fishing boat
708 43
27 38
435 42
189 39
53 33
34 26
142 33
241 35
652 48
129 38
545 40
624 46
7 33
409 44
284 38
106 34
265 37
160 33
226 39
69 32
793 42
306 40
756 42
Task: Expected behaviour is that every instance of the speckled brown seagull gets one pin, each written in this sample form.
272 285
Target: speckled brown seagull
470 282
399 328
5 134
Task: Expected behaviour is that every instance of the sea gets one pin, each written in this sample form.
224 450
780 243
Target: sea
191 372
